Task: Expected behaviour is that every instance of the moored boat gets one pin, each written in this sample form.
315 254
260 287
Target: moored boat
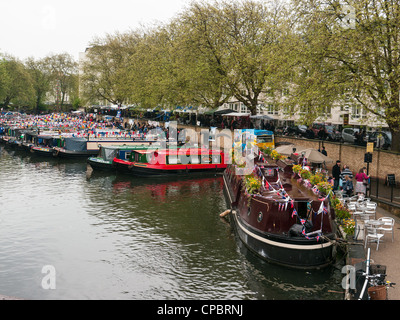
106 155
172 161
44 143
279 219
76 147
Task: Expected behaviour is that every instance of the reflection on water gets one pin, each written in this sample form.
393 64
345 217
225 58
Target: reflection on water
115 237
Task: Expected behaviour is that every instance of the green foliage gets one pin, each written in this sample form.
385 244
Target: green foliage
252 184
351 56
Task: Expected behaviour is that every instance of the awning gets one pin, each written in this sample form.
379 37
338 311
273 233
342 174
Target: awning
223 112
264 117
237 114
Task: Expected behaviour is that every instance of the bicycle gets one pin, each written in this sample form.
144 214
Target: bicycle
378 286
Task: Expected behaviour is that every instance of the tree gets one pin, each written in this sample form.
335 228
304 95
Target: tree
63 72
41 76
154 70
198 64
242 39
362 41
106 69
16 83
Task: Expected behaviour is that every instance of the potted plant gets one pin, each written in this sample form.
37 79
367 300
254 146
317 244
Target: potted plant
253 184
324 187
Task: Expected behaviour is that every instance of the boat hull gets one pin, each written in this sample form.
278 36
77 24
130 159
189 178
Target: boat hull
42 151
68 154
284 249
164 170
297 253
99 164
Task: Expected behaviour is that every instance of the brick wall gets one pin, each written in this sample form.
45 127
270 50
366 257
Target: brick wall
383 162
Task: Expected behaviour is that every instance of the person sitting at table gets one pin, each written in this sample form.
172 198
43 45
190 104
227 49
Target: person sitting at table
347 185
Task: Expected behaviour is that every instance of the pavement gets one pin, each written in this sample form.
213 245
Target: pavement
389 254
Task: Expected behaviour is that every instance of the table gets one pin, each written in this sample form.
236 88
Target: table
375 223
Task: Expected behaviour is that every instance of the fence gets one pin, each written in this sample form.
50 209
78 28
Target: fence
382 189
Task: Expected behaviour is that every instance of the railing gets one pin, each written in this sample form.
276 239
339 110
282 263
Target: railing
381 190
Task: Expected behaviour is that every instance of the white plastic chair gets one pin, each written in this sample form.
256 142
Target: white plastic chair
371 236
388 226
351 206
371 214
371 205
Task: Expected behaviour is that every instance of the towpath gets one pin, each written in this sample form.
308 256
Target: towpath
389 254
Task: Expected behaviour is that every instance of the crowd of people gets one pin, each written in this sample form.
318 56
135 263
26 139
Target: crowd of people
342 179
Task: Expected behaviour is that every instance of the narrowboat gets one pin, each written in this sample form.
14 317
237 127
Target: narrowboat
44 143
278 218
76 147
13 137
106 155
28 141
172 161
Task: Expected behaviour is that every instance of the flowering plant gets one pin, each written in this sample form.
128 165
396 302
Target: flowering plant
317 178
273 153
324 187
297 168
267 151
305 174
252 183
349 226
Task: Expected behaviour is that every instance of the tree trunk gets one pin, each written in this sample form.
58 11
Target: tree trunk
6 102
38 99
395 139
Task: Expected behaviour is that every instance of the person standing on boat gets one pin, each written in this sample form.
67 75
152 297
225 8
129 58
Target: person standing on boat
336 175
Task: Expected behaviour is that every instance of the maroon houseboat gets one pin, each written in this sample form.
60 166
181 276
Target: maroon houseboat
284 222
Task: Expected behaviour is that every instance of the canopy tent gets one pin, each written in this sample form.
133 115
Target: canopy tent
261 117
287 149
314 156
223 112
237 114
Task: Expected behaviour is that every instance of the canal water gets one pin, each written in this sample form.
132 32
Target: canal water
67 232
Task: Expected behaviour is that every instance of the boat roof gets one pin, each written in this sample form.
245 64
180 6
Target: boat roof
126 147
179 151
258 132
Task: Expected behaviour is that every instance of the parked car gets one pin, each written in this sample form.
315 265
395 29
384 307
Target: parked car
348 135
385 139
323 131
295 130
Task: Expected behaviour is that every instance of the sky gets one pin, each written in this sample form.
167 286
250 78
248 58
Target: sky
37 28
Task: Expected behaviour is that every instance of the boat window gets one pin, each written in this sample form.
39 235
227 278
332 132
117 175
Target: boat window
269 172
108 154
206 158
194 159
216 159
260 216
173 160
265 139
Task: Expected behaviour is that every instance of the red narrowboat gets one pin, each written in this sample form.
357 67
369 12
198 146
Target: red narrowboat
172 161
